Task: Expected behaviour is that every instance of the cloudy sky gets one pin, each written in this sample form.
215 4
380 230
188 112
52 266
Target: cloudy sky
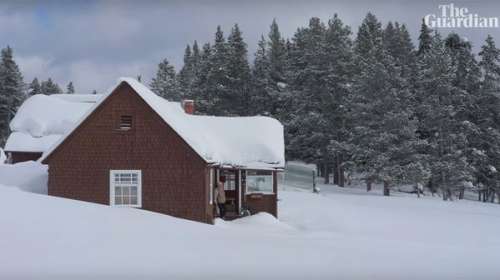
92 43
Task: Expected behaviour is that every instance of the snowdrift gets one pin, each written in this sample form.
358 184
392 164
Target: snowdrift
334 235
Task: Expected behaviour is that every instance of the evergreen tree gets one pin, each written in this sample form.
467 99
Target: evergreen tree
200 83
484 132
70 88
34 87
186 74
336 103
165 83
11 91
425 39
237 101
217 80
49 87
442 118
385 145
320 65
369 36
260 80
308 85
467 76
490 64
270 95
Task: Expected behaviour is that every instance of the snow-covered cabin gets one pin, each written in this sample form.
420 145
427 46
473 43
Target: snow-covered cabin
42 120
133 148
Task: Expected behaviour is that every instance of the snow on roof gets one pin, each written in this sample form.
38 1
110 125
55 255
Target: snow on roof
80 98
250 142
43 119
24 142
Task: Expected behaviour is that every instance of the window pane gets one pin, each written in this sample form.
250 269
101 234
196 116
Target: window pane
258 182
126 200
133 190
126 191
230 183
133 200
118 200
118 191
125 178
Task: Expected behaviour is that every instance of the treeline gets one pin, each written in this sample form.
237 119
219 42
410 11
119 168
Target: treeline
13 90
372 103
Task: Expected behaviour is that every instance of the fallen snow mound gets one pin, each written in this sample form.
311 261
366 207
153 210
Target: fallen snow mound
3 157
333 235
28 176
259 222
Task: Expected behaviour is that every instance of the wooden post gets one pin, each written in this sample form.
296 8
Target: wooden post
315 190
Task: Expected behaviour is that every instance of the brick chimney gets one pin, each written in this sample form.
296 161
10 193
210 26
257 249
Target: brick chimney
188 106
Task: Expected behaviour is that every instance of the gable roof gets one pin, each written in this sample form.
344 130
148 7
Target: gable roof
43 119
248 142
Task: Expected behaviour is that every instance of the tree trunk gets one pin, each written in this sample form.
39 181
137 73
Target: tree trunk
341 177
335 171
368 185
461 194
326 173
341 171
319 167
387 191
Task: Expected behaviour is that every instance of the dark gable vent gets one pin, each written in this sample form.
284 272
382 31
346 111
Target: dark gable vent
125 122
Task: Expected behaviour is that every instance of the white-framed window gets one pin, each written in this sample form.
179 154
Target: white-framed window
259 181
125 188
230 184
211 186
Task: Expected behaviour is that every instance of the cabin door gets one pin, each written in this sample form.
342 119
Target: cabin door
231 189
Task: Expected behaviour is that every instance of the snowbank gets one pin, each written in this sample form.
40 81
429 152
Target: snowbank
335 235
28 176
252 142
3 157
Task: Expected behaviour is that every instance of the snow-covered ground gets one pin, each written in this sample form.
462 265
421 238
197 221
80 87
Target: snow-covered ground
338 234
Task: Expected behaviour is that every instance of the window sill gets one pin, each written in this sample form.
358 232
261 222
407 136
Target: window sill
260 193
127 206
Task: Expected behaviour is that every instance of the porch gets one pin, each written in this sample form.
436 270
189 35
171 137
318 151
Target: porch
248 191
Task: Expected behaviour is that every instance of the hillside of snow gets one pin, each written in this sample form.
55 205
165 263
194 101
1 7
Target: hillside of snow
338 234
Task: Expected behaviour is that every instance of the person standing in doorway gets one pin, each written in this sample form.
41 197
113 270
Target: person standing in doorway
220 196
